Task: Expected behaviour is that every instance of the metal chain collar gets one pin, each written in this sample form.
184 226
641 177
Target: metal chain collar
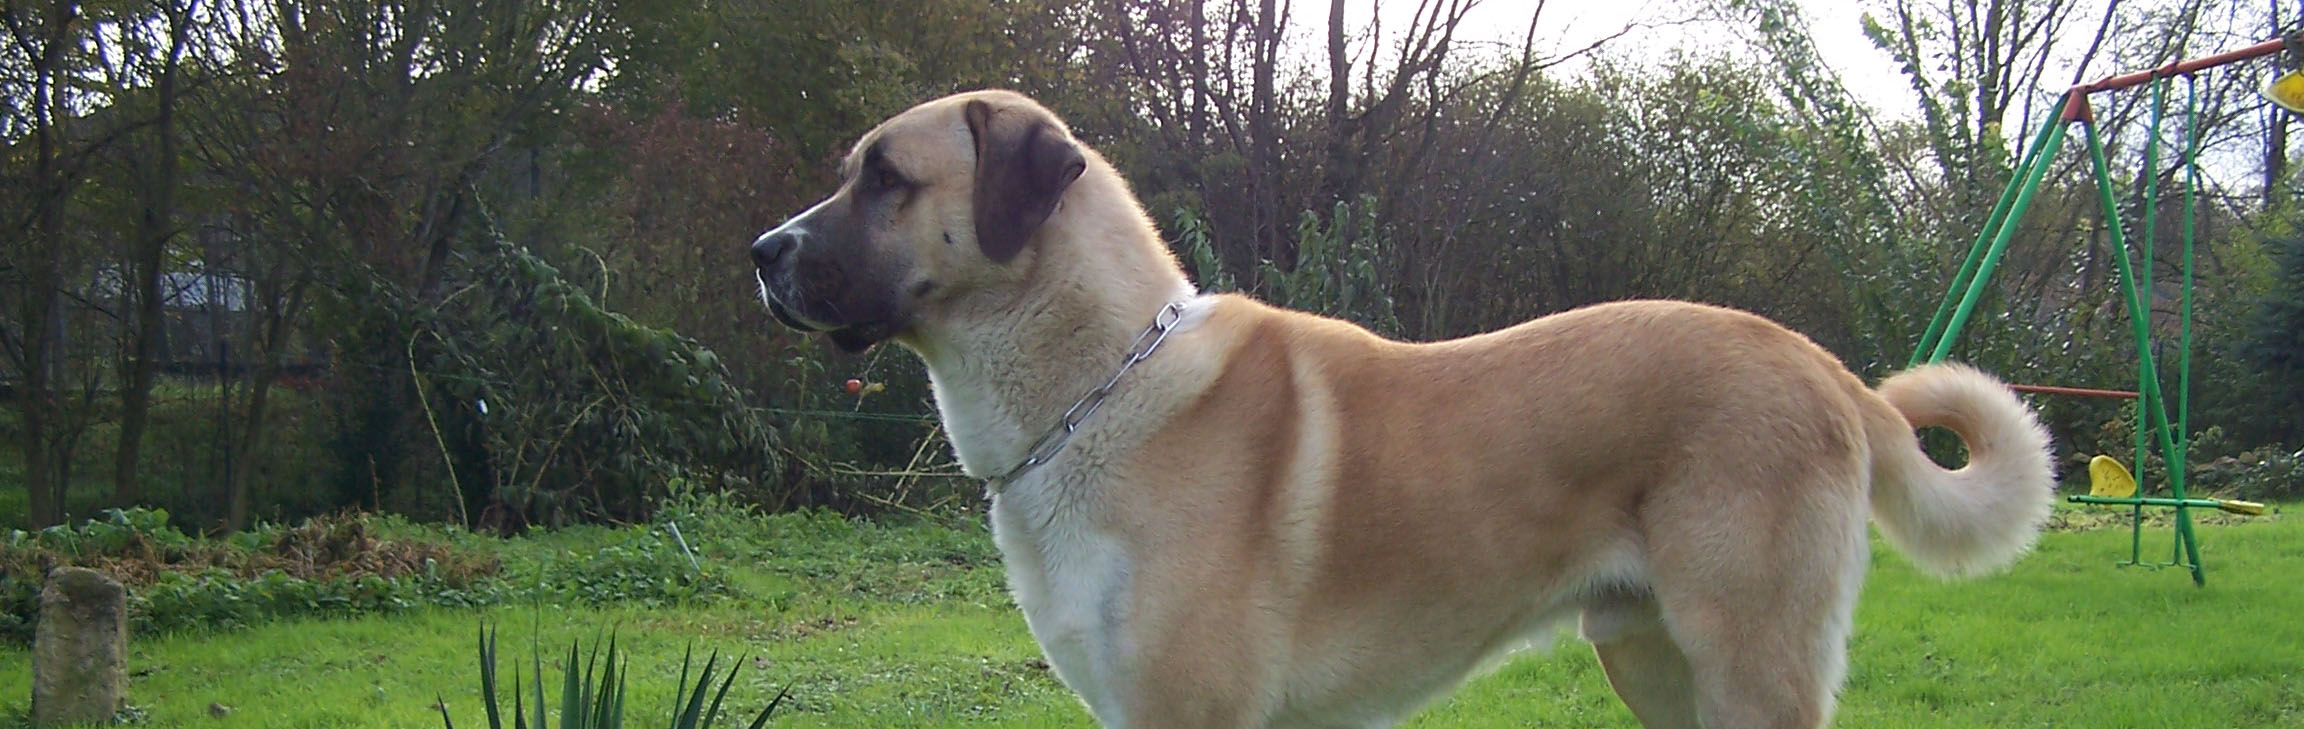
1053 441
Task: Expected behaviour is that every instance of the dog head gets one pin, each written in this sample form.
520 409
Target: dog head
934 204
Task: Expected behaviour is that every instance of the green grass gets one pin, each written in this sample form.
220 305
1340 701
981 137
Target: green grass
905 626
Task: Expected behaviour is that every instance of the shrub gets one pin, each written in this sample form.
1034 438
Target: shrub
1335 272
2271 473
329 567
558 408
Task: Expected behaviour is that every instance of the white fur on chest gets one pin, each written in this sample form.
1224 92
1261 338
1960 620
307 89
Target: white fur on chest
1072 582
1070 575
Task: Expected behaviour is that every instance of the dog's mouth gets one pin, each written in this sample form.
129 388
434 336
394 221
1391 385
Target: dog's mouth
860 337
785 315
849 337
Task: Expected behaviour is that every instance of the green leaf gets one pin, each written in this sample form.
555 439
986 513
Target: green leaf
694 697
610 684
762 719
571 692
713 714
488 677
536 657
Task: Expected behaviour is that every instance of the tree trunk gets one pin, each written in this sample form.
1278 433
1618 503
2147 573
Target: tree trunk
2276 134
1343 168
273 332
35 391
2275 156
44 466
39 311
136 384
237 503
1196 119
37 476
1264 133
153 230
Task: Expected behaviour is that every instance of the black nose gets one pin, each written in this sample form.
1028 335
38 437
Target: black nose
772 245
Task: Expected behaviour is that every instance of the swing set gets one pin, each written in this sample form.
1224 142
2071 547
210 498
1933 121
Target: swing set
2110 482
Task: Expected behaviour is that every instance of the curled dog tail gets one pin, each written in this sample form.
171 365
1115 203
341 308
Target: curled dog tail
1973 519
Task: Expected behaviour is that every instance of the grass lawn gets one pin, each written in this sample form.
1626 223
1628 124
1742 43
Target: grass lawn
906 627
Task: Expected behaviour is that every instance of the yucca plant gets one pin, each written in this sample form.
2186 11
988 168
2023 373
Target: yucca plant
593 697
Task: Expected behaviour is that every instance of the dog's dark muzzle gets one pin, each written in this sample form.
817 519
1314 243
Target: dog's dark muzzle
772 271
815 295
777 309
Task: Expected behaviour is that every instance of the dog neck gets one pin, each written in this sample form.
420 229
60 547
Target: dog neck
1005 369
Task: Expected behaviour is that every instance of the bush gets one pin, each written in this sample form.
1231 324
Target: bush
519 399
329 567
576 410
178 581
1335 272
2272 473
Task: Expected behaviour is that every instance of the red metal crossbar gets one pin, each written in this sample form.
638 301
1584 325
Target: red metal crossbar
2077 109
2180 68
2080 391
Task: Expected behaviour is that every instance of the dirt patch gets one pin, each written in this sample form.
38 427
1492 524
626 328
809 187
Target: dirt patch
813 627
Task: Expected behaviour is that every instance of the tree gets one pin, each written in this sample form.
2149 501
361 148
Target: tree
1992 54
1226 130
156 226
2272 339
355 138
48 84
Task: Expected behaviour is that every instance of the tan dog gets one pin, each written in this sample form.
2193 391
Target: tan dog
1281 520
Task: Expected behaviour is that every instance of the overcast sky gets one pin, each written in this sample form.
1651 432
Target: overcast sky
1571 24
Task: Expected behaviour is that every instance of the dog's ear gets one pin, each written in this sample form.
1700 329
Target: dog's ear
1022 169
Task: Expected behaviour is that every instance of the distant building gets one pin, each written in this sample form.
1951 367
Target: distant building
207 318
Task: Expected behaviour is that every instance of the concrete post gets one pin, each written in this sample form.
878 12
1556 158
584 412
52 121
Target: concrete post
79 649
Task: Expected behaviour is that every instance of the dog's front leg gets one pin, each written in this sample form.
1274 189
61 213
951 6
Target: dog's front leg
1201 697
1199 664
1083 658
1072 583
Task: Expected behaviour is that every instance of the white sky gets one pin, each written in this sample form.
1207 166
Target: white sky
1836 27
1567 25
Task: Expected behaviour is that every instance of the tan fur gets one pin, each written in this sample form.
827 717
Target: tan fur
1281 520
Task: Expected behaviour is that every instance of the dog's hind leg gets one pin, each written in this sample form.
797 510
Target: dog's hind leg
1643 664
1762 609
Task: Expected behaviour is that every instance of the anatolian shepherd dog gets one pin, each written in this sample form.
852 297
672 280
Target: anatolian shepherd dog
1216 513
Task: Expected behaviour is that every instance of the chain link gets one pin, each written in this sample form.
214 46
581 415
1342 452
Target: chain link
1052 442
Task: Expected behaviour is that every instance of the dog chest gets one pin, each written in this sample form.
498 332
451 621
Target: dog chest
1071 582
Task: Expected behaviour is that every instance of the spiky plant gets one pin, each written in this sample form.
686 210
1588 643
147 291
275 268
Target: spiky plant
593 697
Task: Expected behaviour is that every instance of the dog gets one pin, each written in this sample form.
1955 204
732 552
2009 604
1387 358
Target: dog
1217 513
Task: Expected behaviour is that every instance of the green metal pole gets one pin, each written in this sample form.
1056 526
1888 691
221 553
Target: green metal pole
2140 325
2179 462
2048 147
2150 232
2194 503
1992 224
2191 194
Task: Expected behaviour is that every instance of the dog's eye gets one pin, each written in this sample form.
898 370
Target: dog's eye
886 179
